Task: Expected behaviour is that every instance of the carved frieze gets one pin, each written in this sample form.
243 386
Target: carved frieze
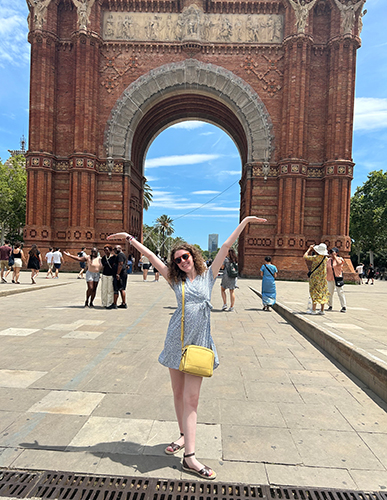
192 24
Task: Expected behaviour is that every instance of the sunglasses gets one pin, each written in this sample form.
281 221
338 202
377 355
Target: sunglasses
185 256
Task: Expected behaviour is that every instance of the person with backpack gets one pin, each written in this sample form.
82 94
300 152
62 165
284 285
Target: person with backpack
269 292
229 279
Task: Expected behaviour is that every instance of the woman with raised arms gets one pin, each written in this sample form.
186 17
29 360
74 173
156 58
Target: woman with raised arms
186 264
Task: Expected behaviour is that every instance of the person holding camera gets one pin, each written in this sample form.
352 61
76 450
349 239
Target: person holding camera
335 278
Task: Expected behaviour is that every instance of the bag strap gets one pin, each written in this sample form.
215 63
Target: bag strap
269 270
182 315
311 272
334 275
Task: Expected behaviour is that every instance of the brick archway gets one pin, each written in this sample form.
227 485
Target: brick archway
192 85
278 78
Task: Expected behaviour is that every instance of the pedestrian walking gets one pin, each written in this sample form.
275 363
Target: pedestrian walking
120 277
370 274
130 264
145 267
5 252
335 265
268 291
82 264
34 263
360 272
188 276
94 265
57 260
107 291
229 279
50 263
17 257
318 286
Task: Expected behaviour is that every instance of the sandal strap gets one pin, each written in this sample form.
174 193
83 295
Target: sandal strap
181 434
189 455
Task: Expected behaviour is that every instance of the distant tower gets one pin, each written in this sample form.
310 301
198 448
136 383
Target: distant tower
213 242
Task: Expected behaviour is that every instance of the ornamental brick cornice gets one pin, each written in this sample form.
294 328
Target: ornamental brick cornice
345 40
294 167
37 36
86 36
297 40
339 168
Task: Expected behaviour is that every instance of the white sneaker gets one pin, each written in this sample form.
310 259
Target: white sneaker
230 309
224 307
321 313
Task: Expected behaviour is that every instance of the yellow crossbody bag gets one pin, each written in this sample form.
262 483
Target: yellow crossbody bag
195 359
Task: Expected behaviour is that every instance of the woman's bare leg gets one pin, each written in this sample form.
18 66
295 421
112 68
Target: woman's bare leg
232 297
177 382
223 293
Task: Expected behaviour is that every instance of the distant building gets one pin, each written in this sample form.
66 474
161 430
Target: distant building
213 242
15 152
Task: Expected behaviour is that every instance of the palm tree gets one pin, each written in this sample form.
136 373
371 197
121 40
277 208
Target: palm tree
148 196
165 224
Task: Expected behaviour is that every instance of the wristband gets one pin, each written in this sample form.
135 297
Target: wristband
130 237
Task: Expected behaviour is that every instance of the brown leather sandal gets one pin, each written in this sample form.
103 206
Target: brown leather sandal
205 473
174 447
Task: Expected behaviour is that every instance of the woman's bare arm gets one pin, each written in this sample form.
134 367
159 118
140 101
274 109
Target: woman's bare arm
221 255
156 262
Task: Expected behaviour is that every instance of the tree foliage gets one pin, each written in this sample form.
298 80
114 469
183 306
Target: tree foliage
148 196
13 194
368 221
165 223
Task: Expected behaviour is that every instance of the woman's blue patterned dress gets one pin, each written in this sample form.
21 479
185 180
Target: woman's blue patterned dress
197 328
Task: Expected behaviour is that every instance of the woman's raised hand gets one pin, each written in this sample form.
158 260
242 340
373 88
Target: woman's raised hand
253 218
116 236
66 253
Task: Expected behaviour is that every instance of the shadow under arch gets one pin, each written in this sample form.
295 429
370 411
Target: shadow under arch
186 90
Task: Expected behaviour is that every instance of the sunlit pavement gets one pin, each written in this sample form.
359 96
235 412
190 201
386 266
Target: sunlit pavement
81 389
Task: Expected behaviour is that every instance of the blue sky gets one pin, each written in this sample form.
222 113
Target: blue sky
195 163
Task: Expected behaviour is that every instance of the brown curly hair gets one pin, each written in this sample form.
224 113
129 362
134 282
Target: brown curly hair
175 274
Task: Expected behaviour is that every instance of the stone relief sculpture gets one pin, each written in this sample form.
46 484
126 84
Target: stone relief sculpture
301 10
360 22
83 8
348 13
39 13
193 24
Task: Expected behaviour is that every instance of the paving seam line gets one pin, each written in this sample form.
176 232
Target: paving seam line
6 293
371 370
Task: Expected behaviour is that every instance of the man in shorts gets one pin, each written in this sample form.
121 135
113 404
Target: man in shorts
57 260
5 252
50 264
119 278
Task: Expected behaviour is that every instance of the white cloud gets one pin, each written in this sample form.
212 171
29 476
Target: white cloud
229 172
205 192
189 125
14 47
169 161
207 133
170 201
370 113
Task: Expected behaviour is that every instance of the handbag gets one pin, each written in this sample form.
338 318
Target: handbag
195 359
339 280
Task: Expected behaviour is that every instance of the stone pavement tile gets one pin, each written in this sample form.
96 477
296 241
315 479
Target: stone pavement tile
140 406
208 410
369 418
7 418
251 413
255 373
274 362
112 435
310 477
272 353
377 442
237 472
165 467
208 440
48 431
259 444
310 377
272 392
7 456
81 334
321 364
18 332
67 402
57 460
315 417
313 395
19 378
14 399
337 449
369 480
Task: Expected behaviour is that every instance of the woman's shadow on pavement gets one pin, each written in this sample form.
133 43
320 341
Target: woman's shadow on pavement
127 453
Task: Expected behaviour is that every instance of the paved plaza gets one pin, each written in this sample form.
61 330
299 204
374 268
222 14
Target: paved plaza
81 389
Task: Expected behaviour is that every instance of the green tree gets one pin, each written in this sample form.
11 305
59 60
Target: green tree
165 223
368 227
13 194
148 196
